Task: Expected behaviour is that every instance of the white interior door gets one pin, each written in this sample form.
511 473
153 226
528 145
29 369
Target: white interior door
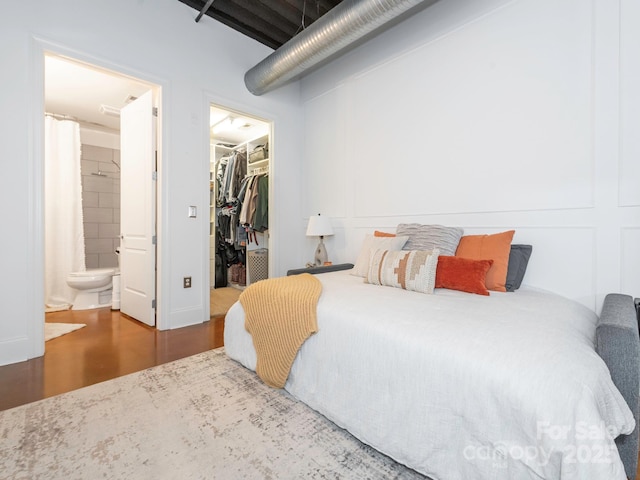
138 210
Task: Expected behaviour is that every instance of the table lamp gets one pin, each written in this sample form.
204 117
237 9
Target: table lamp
319 226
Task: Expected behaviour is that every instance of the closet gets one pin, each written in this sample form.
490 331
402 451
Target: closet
239 199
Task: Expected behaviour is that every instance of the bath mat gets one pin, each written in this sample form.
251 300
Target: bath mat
56 308
53 330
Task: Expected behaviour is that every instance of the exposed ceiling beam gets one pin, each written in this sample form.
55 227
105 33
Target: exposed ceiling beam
271 22
272 26
204 10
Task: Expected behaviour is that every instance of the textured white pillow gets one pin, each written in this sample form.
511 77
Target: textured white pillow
370 245
428 237
413 270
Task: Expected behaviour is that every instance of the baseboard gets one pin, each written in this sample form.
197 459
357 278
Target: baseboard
185 317
14 350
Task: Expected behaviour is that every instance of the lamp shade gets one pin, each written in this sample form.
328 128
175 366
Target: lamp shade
319 226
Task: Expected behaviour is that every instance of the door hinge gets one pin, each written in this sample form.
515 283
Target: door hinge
153 303
154 240
154 175
154 111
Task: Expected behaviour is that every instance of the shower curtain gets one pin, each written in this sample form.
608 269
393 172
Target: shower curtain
64 230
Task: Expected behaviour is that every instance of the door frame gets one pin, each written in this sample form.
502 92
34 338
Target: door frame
38 47
211 99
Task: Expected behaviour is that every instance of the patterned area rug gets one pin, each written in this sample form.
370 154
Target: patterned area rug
201 417
53 330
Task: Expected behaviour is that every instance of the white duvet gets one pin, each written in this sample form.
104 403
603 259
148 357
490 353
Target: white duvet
456 385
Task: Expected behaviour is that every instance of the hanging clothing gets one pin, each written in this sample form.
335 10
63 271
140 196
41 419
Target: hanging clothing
237 175
245 216
253 200
261 219
243 190
224 224
243 204
254 211
221 167
234 173
226 179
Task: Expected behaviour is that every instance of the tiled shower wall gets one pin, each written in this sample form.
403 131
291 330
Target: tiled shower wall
101 205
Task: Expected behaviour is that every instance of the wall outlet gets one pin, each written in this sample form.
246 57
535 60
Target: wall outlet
186 282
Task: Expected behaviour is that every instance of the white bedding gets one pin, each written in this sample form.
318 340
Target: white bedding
456 385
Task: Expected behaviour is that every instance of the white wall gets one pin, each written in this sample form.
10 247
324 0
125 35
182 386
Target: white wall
194 63
490 115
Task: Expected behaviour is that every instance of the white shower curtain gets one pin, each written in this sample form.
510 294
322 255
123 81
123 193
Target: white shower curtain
64 230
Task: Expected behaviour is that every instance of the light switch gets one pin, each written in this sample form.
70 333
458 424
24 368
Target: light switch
192 211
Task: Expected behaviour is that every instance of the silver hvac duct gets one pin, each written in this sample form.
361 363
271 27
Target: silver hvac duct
344 24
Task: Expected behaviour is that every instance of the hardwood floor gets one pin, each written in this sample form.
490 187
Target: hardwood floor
111 345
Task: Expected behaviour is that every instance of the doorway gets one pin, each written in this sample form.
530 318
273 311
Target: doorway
241 155
93 98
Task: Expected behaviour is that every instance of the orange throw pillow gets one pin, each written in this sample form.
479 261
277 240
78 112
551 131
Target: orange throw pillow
378 233
494 247
464 274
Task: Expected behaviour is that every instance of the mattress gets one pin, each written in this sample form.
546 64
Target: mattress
456 385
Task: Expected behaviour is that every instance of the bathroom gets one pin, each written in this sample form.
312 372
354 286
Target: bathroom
100 173
100 170
88 101
100 218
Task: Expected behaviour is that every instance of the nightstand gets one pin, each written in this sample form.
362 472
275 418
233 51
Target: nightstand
321 269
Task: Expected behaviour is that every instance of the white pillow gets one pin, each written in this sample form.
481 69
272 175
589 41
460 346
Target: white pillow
413 270
371 244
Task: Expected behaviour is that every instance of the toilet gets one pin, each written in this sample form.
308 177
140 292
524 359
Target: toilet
93 288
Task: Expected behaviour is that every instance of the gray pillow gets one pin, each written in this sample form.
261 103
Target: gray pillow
518 260
428 237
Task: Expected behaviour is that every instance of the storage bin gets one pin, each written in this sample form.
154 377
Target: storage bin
257 265
261 152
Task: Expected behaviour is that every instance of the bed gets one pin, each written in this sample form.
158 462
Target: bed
512 385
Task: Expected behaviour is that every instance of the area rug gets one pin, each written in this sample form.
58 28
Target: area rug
201 417
53 330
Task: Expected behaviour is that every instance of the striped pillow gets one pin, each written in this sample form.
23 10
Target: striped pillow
414 270
428 237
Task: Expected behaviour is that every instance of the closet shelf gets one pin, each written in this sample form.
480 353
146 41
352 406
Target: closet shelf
259 162
227 147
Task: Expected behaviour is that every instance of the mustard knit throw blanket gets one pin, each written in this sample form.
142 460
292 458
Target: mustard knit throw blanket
280 314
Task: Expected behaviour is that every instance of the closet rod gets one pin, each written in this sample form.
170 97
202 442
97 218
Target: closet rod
258 171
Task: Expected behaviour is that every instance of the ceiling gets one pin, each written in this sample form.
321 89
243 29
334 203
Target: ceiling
79 91
229 127
271 22
76 90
